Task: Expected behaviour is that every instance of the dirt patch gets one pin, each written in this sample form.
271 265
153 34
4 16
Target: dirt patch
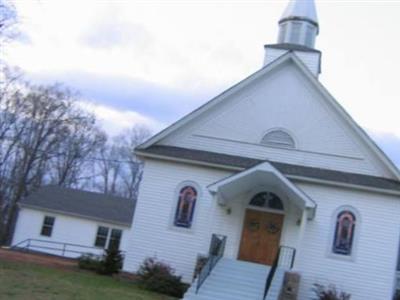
37 258
126 276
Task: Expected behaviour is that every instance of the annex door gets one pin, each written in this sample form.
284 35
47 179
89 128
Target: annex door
260 237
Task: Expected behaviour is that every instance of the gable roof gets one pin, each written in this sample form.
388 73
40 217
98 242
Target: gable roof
289 170
82 204
290 56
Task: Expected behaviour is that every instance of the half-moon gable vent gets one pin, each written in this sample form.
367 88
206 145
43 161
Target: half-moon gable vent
278 138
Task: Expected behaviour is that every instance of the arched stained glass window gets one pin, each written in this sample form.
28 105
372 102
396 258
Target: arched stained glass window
185 208
267 199
344 233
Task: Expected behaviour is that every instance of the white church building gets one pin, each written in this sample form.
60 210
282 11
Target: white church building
271 186
271 176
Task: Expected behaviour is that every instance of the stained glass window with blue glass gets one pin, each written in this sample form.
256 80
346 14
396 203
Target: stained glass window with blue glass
344 233
185 208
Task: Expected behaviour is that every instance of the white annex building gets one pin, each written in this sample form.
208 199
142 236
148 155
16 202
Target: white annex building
271 175
69 222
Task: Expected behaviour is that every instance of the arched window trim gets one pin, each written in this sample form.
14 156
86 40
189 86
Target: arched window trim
261 189
284 130
337 212
265 204
175 202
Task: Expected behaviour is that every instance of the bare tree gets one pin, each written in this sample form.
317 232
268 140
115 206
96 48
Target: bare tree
8 21
119 170
68 167
45 137
109 167
132 173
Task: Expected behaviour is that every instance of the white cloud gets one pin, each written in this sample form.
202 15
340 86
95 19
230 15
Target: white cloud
196 45
179 44
114 121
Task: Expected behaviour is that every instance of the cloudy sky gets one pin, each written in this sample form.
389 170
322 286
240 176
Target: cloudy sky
151 62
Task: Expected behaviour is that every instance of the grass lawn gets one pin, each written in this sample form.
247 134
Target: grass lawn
28 281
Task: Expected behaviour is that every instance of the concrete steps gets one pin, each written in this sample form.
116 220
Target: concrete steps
236 280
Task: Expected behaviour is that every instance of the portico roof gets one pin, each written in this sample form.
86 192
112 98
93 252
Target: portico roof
263 174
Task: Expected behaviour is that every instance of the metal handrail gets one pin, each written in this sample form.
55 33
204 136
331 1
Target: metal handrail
28 244
281 260
217 249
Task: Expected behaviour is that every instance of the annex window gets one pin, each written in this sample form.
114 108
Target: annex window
101 237
185 208
47 227
268 200
278 138
108 237
344 233
115 239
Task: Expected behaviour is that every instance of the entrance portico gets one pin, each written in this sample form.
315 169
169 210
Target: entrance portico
266 210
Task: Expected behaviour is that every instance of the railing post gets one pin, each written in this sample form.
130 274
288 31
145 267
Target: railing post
284 251
293 257
216 251
63 250
29 244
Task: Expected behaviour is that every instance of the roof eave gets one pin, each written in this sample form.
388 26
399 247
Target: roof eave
291 177
353 124
76 215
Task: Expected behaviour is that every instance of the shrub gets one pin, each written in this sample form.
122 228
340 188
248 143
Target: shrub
111 262
108 264
159 277
89 262
329 293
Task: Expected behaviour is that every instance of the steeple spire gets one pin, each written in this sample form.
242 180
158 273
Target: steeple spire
298 28
299 23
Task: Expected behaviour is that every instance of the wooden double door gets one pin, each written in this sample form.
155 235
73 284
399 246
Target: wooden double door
260 236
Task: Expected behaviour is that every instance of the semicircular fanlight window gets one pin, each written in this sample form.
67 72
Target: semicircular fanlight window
278 138
267 199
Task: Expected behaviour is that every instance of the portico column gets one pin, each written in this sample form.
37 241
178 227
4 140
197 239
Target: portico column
300 237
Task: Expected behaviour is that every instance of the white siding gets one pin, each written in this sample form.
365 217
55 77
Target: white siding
310 59
237 125
66 229
272 54
154 234
370 276
372 273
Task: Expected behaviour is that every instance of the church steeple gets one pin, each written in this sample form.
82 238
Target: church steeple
298 28
299 23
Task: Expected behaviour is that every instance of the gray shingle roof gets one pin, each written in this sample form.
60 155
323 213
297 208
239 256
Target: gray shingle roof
286 169
83 204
